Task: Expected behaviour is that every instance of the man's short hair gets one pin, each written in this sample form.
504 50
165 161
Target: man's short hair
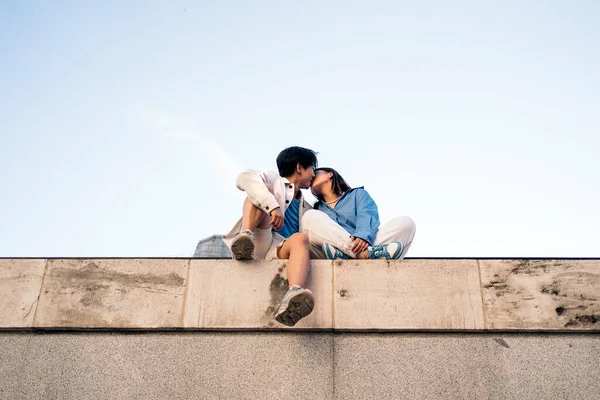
290 157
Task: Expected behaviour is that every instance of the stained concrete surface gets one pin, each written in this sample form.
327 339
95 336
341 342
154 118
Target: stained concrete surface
530 295
273 365
541 294
20 284
127 293
247 295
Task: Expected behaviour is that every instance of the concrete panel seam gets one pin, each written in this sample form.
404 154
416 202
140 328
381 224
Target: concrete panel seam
485 321
332 264
185 294
37 301
200 310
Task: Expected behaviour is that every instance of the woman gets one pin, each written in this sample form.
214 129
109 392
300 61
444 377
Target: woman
345 223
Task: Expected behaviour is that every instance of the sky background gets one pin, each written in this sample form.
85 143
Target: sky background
123 124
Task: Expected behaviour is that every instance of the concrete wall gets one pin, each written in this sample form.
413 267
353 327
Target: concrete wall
298 365
376 331
458 295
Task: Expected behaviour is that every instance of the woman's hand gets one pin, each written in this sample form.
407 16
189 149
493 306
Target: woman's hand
359 245
277 219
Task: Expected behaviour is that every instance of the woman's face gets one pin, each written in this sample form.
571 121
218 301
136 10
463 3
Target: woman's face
321 182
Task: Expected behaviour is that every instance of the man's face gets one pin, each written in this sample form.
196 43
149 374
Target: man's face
306 176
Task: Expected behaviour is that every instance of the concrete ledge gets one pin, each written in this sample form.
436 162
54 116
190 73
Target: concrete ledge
457 295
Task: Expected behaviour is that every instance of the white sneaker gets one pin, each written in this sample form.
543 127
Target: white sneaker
296 304
333 253
242 247
389 251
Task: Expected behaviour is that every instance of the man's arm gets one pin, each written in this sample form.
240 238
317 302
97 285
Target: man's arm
367 220
255 184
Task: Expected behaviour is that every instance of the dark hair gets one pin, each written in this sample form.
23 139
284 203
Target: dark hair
338 184
289 158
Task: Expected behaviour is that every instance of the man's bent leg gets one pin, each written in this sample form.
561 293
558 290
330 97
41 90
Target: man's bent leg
254 217
254 221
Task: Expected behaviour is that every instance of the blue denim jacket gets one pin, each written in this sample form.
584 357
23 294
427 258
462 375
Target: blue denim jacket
356 212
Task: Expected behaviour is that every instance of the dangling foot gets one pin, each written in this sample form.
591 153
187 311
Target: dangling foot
296 304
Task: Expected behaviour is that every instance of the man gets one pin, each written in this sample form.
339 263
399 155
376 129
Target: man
270 225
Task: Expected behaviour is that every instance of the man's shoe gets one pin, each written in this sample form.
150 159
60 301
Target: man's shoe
333 253
242 247
296 304
390 251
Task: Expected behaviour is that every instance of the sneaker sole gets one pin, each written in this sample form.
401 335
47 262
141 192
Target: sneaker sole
242 248
298 307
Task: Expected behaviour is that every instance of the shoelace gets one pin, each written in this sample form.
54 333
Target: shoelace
379 252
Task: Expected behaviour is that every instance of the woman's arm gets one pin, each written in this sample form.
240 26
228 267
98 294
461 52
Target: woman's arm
367 216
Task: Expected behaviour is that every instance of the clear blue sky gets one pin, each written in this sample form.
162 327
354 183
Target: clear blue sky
123 124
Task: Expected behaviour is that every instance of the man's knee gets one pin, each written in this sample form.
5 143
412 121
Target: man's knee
296 242
299 239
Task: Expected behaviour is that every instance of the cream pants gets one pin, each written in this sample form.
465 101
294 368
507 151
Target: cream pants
320 229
